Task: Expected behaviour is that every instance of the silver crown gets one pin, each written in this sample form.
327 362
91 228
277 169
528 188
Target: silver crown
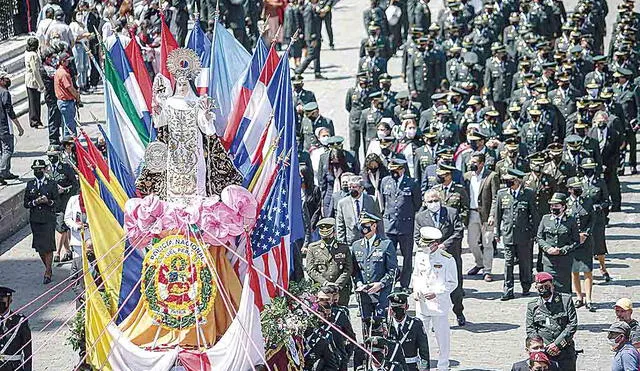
183 63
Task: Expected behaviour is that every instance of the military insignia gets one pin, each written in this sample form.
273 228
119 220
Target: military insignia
438 266
340 255
376 242
177 283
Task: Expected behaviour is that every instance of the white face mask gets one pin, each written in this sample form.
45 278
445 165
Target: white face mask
324 140
411 133
382 134
433 206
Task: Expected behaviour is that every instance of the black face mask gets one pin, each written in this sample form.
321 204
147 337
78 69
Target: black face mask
325 306
440 179
354 193
545 292
386 151
398 312
297 88
556 211
588 172
371 53
39 174
432 141
473 167
474 144
3 306
577 192
508 183
345 188
581 132
7 83
365 228
395 174
53 159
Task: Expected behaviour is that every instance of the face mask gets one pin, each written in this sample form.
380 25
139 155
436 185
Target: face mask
325 306
581 132
593 93
3 306
365 229
53 159
577 192
324 140
38 174
398 312
395 174
613 343
508 183
371 53
313 117
544 292
588 172
440 179
556 211
297 88
386 151
345 188
354 193
382 134
434 207
411 133
7 83
473 167
602 125
474 144
432 141
372 168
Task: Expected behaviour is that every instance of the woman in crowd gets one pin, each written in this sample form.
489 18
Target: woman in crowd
33 81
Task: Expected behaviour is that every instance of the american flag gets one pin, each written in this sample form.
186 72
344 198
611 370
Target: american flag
275 174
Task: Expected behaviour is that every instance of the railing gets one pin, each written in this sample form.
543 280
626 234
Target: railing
8 9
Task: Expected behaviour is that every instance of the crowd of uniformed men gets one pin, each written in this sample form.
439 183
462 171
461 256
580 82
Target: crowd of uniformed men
513 125
512 129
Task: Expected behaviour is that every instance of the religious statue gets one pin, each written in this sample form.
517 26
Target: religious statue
196 163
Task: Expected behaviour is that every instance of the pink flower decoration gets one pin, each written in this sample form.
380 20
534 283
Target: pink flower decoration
215 221
242 202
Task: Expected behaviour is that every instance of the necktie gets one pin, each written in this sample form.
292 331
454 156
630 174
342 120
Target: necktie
436 222
358 208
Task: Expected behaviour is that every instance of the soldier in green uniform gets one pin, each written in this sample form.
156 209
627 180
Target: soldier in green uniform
581 208
558 236
356 101
15 336
559 168
511 158
329 261
514 212
452 194
553 317
544 187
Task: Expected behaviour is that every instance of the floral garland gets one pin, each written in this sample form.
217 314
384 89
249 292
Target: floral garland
284 318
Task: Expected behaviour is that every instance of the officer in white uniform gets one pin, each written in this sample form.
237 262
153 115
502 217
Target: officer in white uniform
434 278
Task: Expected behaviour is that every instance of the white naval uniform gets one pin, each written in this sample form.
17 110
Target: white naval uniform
436 273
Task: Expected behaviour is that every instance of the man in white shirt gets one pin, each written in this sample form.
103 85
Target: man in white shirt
434 278
349 209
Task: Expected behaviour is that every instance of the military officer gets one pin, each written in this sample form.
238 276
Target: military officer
595 188
329 261
401 198
581 208
628 97
559 168
609 142
375 14
512 158
404 105
498 75
536 134
64 177
425 156
371 64
514 213
375 267
444 157
339 316
424 72
564 97
447 220
371 117
313 37
319 343
407 333
553 317
313 120
301 96
356 101
434 279
575 153
452 194
15 336
41 197
599 73
558 236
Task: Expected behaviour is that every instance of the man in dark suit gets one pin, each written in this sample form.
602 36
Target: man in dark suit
447 220
481 185
301 96
41 197
407 333
514 213
349 209
609 142
401 198
375 265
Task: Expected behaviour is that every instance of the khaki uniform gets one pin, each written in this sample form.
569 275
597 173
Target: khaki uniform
331 262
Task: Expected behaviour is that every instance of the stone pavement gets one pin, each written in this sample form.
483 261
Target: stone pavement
494 335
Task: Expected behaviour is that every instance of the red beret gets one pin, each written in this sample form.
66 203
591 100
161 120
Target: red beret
543 277
539 357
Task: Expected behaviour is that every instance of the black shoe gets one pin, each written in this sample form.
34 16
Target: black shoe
634 171
578 304
461 320
475 270
526 292
506 297
10 177
590 307
332 47
606 277
320 77
46 280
